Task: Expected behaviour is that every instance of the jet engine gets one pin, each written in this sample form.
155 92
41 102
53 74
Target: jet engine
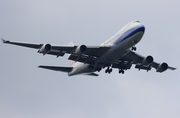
162 67
45 49
80 49
147 60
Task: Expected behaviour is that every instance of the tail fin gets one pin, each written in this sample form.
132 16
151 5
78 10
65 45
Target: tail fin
71 61
70 44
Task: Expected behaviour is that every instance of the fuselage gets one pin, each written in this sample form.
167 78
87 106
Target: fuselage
119 44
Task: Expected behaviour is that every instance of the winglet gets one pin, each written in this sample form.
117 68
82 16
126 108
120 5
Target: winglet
4 41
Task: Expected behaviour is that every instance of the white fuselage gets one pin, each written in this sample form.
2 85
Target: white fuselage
119 44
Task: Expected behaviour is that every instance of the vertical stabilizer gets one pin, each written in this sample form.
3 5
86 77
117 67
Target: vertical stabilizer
71 61
70 44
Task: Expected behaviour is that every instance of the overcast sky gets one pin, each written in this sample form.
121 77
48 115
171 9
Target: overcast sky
29 92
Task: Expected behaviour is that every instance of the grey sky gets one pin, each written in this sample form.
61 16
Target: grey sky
27 91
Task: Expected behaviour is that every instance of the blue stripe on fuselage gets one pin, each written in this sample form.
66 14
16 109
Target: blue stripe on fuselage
130 32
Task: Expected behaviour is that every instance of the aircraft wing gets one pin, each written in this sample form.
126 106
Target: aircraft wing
60 50
138 59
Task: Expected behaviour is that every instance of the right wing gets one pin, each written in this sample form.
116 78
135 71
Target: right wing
60 50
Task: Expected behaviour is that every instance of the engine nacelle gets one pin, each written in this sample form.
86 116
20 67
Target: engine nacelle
147 60
162 67
80 50
45 49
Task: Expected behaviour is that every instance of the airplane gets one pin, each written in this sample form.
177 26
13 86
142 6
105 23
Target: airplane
116 52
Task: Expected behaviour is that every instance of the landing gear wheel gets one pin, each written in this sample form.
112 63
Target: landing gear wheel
133 48
108 70
121 71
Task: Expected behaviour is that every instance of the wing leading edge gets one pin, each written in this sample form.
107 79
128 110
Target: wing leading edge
60 50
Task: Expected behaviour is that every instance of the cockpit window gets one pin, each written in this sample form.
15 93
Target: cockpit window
136 21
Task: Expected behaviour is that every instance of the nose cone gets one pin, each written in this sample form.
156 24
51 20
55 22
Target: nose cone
141 28
138 25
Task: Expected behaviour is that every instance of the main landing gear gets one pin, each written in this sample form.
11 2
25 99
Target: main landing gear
95 68
98 69
108 70
121 71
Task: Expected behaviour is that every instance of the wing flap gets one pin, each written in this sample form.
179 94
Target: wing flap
132 56
96 51
56 53
122 65
82 58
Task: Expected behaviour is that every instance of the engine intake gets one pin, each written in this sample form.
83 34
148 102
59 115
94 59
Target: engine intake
147 60
80 49
162 67
45 49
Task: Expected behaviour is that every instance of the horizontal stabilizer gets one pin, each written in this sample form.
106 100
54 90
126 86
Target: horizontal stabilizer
171 68
4 41
92 74
56 68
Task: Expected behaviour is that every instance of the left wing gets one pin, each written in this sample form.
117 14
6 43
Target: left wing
60 50
145 63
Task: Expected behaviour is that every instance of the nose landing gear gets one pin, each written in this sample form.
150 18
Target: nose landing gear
133 48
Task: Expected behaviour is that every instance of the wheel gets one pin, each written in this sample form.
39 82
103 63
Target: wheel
122 71
99 69
133 48
110 70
